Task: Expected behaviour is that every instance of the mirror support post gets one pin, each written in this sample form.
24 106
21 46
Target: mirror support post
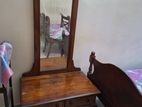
70 64
36 5
36 64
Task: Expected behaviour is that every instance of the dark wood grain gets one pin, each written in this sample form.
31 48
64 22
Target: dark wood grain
38 90
117 89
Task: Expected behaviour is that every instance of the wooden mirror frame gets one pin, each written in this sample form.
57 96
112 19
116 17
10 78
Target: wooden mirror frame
36 65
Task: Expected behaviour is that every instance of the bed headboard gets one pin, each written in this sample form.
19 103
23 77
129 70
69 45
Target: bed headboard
117 90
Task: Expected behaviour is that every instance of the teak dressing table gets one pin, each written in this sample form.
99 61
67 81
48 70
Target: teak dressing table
63 87
71 89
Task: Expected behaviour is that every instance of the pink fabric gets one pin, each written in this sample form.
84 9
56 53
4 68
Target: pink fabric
55 26
56 31
136 77
5 56
136 74
6 76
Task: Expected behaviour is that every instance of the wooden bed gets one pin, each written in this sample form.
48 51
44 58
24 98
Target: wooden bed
117 89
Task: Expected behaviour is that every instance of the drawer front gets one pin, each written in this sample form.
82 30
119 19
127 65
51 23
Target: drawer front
54 104
87 101
81 102
57 104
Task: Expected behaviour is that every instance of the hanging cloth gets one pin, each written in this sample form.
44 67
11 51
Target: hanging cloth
5 56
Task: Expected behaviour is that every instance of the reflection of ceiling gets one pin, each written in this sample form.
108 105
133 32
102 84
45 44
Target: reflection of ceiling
53 8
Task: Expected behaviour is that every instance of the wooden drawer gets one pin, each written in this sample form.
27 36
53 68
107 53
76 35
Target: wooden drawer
87 101
54 104
81 101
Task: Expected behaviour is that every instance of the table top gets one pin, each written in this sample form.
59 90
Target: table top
44 89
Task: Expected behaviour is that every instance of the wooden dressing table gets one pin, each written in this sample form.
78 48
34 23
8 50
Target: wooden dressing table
72 89
62 87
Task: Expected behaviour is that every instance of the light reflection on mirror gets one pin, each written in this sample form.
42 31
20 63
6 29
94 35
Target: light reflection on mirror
54 33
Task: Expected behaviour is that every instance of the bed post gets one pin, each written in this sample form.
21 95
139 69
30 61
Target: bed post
91 60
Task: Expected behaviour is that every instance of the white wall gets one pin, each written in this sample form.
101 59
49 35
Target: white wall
16 26
112 28
53 8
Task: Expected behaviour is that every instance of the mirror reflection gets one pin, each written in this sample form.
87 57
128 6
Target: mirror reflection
54 33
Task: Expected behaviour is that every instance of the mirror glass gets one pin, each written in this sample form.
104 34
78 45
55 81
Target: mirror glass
54 33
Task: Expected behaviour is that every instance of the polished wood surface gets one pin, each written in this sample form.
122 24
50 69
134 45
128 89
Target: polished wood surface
117 89
38 90
53 63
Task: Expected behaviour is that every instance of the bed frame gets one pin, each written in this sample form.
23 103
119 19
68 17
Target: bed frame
117 89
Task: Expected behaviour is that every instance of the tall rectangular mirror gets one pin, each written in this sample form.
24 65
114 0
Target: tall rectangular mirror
55 17
54 33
